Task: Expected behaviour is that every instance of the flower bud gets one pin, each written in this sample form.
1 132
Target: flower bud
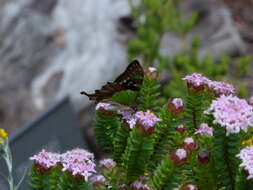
189 186
175 106
180 129
152 73
179 157
251 101
98 181
204 157
107 164
189 144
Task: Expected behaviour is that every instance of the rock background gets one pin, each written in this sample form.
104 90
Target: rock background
53 48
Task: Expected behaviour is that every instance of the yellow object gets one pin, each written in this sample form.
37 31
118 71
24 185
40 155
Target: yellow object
248 142
3 135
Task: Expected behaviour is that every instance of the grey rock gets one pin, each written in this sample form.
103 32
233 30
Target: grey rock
215 28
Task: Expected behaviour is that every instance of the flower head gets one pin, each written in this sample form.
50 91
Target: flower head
204 128
138 185
108 163
3 136
45 160
146 121
196 81
176 105
246 155
221 88
79 163
179 156
232 113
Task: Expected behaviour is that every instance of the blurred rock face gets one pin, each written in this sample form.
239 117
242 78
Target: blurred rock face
53 48
215 28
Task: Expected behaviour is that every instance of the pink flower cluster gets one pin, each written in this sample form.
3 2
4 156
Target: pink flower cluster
147 118
204 128
138 185
46 160
232 113
246 155
146 121
79 163
198 81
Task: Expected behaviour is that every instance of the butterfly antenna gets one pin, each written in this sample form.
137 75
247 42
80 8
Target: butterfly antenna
84 93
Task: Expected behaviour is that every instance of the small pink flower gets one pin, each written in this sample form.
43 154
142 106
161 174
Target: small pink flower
108 163
129 119
204 128
45 160
138 185
175 106
146 121
179 156
189 144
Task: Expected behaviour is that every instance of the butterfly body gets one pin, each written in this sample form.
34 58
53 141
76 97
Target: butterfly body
130 79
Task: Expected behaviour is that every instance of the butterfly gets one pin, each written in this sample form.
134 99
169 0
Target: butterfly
130 79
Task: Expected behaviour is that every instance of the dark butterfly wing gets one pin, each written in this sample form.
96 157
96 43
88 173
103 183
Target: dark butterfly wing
130 79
